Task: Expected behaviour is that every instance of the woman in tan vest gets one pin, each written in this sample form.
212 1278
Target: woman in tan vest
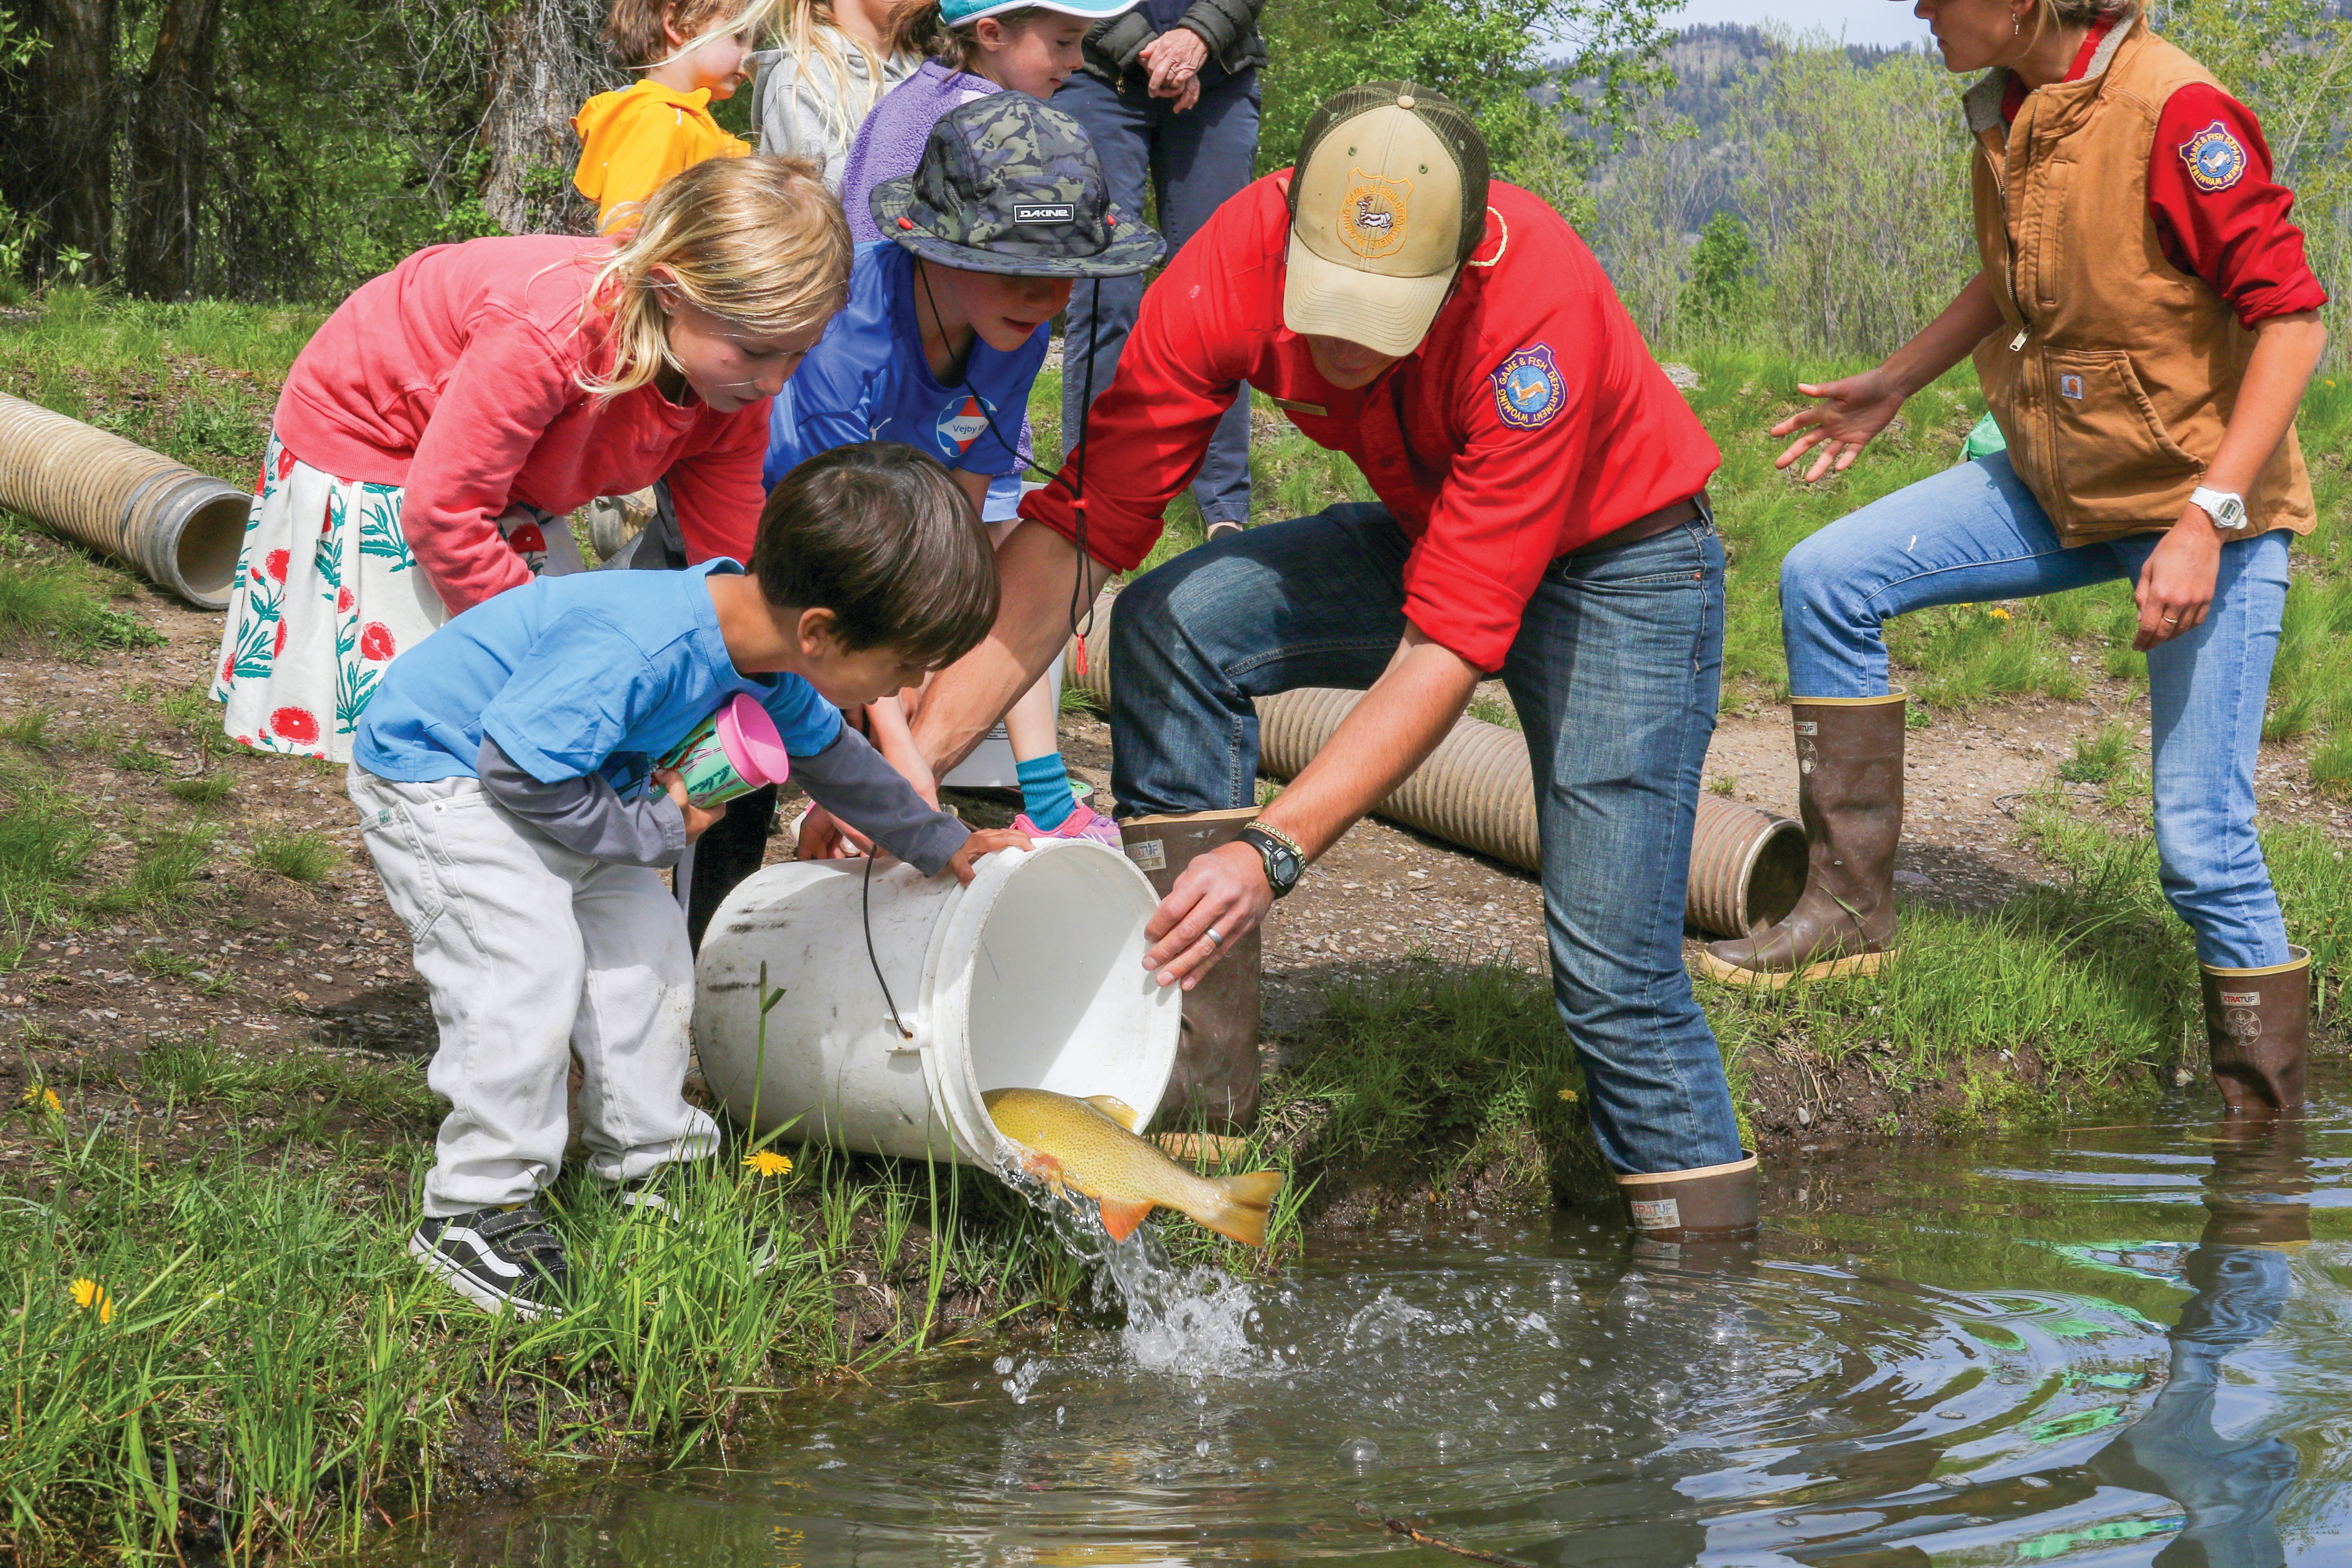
2144 325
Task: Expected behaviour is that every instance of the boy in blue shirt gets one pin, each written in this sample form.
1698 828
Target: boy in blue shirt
946 326
502 773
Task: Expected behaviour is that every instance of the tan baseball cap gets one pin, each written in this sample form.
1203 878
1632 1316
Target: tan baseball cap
1387 200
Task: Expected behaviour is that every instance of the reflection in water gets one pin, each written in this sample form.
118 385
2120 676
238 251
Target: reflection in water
1935 1357
2229 1488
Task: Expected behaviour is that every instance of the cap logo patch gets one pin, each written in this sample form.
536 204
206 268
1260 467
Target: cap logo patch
1373 216
1528 388
1045 212
2216 158
961 423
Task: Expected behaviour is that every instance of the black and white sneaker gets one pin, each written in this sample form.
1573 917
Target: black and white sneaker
643 1195
502 1258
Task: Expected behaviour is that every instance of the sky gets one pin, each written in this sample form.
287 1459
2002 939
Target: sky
1862 21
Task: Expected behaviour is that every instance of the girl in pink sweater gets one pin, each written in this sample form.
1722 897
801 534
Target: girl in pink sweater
433 434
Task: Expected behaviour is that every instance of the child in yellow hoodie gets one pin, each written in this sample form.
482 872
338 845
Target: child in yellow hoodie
687 54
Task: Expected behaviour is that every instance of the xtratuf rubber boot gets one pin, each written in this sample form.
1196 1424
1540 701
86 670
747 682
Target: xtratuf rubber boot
1710 1203
2257 1027
1216 1057
1849 794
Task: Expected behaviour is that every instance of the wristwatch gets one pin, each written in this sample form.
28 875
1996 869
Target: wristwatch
1285 863
2227 511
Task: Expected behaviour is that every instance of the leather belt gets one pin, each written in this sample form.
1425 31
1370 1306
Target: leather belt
1682 511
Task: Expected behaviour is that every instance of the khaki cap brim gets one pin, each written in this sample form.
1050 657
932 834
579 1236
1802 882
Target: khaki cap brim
1387 315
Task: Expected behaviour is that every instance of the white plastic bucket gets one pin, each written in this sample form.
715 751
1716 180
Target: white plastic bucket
1031 978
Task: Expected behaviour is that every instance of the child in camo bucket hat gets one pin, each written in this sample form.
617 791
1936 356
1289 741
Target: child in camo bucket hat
1010 185
939 346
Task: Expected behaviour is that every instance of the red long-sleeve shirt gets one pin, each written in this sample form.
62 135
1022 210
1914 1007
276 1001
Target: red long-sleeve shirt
1531 419
2237 232
456 376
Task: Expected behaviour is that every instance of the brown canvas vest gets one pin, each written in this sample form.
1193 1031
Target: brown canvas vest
2117 372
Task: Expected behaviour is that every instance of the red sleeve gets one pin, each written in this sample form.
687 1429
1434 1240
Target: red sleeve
506 389
2218 211
1494 526
1180 371
717 490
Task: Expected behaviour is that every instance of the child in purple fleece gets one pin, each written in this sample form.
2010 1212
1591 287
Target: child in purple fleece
974 47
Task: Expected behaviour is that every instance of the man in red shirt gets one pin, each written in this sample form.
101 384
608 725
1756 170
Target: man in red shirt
1541 513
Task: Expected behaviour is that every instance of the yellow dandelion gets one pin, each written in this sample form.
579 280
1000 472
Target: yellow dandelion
89 1293
42 1098
768 1163
1568 1095
1998 614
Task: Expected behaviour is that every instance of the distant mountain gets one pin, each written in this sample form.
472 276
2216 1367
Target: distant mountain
1708 62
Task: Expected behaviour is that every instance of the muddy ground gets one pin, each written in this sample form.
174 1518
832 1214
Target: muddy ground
271 963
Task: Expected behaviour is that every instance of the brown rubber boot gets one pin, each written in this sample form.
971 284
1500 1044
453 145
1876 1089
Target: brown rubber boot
1217 1056
2257 1025
1849 794
1711 1203
2258 1194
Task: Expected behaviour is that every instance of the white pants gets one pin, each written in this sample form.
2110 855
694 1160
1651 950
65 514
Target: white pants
535 954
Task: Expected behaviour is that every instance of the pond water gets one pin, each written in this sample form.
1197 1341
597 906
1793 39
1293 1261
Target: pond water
2103 1346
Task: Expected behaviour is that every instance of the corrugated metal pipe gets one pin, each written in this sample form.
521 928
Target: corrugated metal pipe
174 526
1476 790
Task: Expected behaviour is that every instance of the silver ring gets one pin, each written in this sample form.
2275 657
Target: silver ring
2170 620
1215 940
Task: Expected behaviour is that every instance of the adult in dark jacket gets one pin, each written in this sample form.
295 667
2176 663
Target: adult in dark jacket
1169 96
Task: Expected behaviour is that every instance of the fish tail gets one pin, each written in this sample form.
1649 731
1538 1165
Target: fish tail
1241 1210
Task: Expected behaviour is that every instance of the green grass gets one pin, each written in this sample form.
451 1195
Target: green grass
29 729
44 842
298 856
61 602
2099 758
206 789
278 1376
162 875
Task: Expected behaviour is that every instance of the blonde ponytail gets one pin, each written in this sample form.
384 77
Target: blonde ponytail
757 241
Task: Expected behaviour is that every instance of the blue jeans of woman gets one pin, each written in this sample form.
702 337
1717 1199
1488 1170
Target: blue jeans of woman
1975 533
1615 675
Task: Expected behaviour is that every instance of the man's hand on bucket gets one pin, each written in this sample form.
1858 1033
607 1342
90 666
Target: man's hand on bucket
1224 891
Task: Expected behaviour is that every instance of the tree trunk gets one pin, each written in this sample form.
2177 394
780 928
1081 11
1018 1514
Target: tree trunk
165 184
544 63
58 167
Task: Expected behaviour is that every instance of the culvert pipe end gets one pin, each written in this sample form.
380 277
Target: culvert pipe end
186 538
1477 790
1748 867
177 528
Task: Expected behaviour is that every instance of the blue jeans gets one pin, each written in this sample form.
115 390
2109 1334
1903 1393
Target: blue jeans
1194 161
1615 674
1975 533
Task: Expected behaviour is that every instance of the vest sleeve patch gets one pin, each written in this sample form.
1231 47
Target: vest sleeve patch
1529 393
2217 160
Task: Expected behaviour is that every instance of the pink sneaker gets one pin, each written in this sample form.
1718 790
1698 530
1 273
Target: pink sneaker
1084 822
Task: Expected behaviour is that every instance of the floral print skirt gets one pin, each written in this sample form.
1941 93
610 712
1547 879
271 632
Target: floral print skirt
327 593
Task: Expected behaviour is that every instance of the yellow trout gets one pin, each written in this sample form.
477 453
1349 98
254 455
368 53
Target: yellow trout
1090 1147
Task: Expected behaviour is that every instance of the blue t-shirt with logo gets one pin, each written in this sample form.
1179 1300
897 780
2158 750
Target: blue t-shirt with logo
867 380
600 672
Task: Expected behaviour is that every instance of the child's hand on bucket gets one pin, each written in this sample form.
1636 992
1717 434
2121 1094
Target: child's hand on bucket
697 821
987 841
